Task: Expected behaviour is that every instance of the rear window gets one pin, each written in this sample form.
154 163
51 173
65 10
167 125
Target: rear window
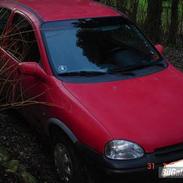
4 15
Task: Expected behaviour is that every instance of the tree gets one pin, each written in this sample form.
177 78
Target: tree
153 19
133 9
174 22
121 4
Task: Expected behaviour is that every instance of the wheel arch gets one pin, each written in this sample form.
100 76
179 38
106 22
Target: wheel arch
58 125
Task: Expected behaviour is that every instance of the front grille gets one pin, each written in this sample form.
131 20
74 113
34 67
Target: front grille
176 149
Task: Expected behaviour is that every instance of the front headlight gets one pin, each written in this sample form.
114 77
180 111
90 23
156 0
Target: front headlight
123 150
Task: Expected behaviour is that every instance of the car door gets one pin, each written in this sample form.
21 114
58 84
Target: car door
5 15
21 46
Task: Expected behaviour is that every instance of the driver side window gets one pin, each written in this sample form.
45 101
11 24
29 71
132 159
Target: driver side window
4 16
21 41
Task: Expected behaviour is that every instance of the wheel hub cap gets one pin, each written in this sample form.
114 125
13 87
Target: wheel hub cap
63 163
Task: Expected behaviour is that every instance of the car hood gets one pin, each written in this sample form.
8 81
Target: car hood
147 110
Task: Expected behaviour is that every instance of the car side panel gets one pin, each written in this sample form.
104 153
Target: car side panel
62 106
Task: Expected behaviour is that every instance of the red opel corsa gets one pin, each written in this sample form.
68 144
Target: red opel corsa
114 102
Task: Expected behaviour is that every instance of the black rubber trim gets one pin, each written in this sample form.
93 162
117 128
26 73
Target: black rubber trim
114 77
99 162
53 122
30 10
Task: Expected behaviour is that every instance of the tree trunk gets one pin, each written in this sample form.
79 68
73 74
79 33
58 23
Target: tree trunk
174 22
133 9
122 6
153 19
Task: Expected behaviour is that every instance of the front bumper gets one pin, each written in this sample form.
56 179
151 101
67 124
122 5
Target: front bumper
148 163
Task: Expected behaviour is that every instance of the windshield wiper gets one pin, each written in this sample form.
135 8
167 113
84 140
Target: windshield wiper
83 73
135 67
141 66
120 71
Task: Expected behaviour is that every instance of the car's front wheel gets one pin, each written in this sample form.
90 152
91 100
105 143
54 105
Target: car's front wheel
68 163
63 163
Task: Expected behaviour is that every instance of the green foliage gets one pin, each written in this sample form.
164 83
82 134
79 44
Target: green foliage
14 167
11 166
4 155
27 177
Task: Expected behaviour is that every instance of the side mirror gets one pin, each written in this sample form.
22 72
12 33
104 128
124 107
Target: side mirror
32 69
160 48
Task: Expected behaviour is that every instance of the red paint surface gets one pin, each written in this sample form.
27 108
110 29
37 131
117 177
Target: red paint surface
67 9
147 110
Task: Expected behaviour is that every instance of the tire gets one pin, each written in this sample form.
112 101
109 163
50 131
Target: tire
68 164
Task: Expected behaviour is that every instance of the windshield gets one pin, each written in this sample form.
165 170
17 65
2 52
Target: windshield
100 45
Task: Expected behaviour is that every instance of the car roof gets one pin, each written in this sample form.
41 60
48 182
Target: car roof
52 10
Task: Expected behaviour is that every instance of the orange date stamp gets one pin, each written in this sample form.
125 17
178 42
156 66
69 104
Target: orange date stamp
151 166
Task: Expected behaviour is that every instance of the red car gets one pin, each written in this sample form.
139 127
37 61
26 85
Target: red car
106 97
